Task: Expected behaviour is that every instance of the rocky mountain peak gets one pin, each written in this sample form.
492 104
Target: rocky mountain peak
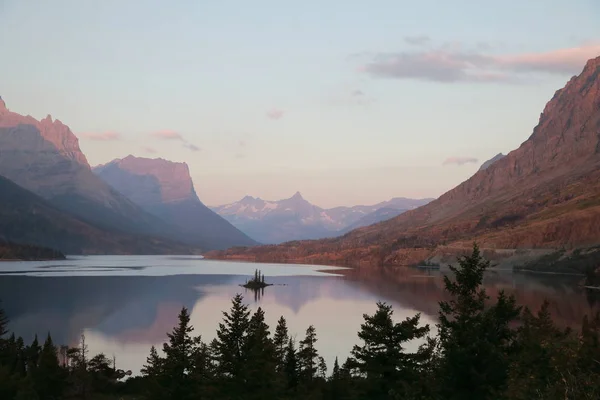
148 181
2 105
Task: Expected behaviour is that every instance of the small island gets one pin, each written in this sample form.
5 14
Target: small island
257 282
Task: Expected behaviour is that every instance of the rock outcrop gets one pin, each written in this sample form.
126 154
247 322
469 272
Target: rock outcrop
545 194
165 189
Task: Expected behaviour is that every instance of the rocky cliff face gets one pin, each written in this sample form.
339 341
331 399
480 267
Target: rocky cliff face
545 194
165 189
44 157
149 181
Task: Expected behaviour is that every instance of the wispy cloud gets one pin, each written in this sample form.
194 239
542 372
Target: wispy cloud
454 63
275 114
101 136
167 134
358 93
459 160
419 40
149 150
190 146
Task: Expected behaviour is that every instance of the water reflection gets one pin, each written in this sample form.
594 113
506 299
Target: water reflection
125 315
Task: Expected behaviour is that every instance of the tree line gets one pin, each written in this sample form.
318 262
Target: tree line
483 348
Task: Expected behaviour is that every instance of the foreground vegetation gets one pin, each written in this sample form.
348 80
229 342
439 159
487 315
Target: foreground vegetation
484 349
26 252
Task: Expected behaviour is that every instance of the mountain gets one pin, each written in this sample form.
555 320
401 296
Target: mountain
29 219
545 195
44 157
492 160
296 218
376 216
165 189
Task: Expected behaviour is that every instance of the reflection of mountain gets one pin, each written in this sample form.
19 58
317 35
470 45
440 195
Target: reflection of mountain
424 290
112 305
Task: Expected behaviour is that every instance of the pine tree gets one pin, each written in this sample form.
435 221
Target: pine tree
280 341
33 354
322 368
308 356
49 378
382 359
231 338
474 339
153 372
260 371
291 367
336 370
179 358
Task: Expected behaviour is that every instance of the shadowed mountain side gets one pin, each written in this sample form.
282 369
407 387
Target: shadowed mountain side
27 218
544 195
165 189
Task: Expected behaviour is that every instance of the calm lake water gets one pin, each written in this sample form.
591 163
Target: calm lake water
126 304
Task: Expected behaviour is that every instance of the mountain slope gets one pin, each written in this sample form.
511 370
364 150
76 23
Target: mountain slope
545 194
27 218
492 160
165 189
296 218
44 157
376 216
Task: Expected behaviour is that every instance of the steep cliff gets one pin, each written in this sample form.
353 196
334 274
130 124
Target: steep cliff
165 189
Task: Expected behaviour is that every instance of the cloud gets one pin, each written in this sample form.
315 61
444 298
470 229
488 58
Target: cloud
358 93
453 63
167 135
419 40
239 156
102 136
459 160
149 149
191 147
275 114
242 143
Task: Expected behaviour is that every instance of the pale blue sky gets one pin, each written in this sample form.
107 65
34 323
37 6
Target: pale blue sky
371 97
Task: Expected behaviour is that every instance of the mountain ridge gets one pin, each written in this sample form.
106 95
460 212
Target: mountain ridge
295 218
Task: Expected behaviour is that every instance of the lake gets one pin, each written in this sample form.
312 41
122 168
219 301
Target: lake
125 304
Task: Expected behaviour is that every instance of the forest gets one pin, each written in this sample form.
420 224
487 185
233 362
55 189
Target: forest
483 348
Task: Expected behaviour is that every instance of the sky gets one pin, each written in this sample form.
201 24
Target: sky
348 102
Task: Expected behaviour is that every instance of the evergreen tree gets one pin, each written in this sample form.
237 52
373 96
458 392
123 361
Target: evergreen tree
280 341
474 339
32 355
179 357
291 367
49 378
260 370
322 368
229 346
382 359
153 372
308 356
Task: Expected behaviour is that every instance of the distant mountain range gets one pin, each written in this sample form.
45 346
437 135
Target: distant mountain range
296 219
542 197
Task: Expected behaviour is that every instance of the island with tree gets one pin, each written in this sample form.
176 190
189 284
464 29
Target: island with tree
257 282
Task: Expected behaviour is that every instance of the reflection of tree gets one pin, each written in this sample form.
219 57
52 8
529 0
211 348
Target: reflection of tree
257 292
